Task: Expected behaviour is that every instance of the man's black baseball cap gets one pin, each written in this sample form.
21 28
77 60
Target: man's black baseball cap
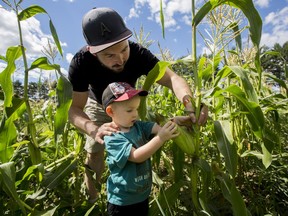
102 28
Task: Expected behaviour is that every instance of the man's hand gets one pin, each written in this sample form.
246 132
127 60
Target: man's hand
183 121
203 116
190 110
105 129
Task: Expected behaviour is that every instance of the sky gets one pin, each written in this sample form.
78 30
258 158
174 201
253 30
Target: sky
66 16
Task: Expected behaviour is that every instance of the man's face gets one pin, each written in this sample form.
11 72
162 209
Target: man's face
115 57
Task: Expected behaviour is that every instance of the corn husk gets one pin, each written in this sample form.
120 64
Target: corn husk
185 140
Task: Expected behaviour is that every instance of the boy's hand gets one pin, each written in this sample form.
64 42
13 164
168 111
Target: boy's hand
168 131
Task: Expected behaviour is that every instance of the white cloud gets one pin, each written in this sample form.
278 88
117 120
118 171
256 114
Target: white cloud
187 19
262 3
279 17
133 13
34 39
181 6
69 57
174 11
278 23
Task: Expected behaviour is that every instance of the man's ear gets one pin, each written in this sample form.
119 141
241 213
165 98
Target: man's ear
88 48
109 111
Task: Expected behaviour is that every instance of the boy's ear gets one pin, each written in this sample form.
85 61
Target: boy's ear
109 111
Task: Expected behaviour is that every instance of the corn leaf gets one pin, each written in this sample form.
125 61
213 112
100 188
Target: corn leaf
162 19
254 112
232 194
48 212
34 10
8 175
43 63
178 163
8 132
279 81
55 37
208 71
30 12
238 40
12 54
226 146
165 199
55 177
247 86
267 156
64 99
153 76
238 205
206 175
224 72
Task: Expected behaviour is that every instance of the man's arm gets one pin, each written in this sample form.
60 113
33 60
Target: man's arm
183 92
175 83
78 117
80 120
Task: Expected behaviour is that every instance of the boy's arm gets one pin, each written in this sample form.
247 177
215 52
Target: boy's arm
168 131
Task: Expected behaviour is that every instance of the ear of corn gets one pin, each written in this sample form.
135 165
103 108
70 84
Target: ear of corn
185 140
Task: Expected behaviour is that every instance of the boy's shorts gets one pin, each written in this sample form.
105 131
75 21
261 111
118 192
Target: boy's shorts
96 113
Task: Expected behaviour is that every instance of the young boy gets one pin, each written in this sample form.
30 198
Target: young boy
130 149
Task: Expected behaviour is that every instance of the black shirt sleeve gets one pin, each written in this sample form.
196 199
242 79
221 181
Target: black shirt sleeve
76 73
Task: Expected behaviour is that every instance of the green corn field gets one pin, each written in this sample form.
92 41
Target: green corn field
237 164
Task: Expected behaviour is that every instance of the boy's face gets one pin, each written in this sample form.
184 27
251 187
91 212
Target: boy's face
125 113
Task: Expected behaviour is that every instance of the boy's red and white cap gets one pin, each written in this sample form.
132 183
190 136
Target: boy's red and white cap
120 91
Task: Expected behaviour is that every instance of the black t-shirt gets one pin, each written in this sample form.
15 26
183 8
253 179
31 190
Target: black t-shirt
87 73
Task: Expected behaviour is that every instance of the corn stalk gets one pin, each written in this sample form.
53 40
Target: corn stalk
14 108
200 76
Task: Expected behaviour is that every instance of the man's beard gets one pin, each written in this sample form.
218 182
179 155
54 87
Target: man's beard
114 68
118 68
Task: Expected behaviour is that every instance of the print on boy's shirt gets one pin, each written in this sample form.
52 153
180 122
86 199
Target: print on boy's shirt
142 177
142 171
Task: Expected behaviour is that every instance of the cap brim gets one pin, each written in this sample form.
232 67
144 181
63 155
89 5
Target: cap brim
96 49
130 94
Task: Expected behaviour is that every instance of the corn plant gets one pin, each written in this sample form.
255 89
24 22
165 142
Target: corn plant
228 89
26 144
226 167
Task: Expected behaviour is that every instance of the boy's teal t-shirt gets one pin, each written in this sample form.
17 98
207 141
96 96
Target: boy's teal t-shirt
128 182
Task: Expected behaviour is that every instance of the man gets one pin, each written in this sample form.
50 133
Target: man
110 57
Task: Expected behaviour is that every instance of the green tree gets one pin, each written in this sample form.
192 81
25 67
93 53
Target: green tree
274 60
